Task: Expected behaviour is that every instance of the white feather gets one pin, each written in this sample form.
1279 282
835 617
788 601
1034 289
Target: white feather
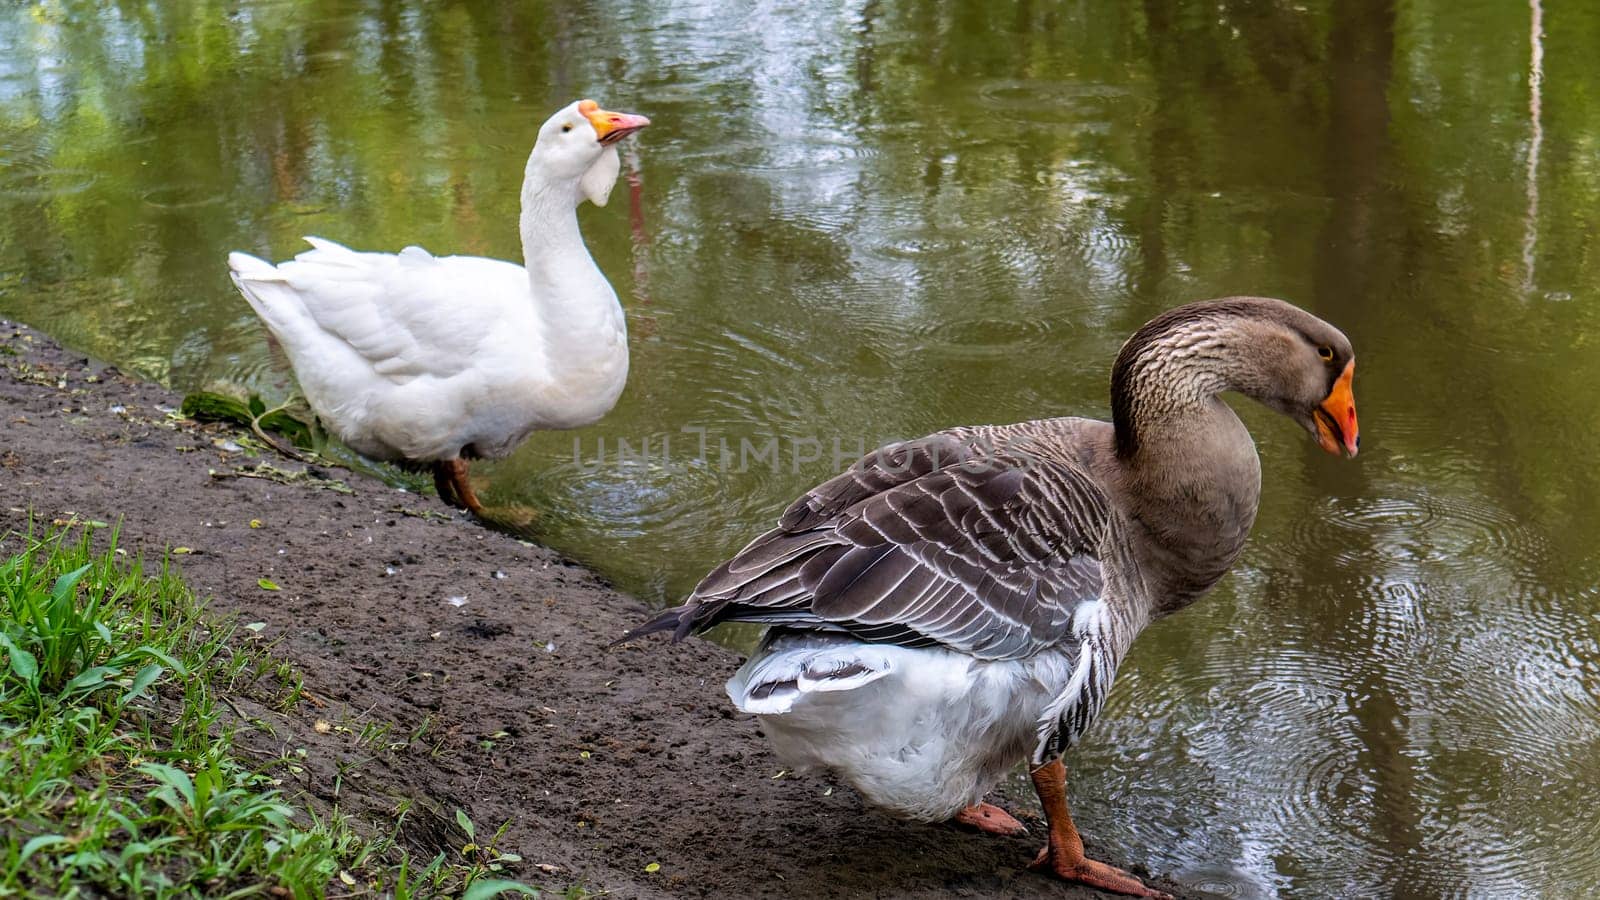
597 183
921 732
412 356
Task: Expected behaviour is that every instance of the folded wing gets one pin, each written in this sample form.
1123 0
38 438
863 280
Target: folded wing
956 539
406 315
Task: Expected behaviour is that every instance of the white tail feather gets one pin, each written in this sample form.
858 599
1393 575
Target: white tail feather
245 267
326 246
791 666
269 292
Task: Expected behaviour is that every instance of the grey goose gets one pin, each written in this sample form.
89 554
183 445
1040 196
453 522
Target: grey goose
951 606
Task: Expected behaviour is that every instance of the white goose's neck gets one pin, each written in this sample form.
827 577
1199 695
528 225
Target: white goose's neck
578 306
565 280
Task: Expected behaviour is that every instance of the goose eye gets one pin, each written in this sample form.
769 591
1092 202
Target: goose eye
1326 353
565 129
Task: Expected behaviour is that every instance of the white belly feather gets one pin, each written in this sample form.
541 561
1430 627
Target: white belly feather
920 732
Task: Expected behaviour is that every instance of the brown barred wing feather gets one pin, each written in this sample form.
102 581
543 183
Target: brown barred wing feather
986 551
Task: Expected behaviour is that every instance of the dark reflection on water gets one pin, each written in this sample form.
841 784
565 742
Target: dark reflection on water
870 221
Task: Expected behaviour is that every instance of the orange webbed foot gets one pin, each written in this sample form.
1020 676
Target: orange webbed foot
990 818
1063 855
1094 874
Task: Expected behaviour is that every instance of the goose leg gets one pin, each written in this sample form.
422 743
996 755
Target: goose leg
462 488
443 484
1063 855
990 818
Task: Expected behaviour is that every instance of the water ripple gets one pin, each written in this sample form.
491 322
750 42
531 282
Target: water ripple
975 338
181 197
35 184
1416 533
1041 101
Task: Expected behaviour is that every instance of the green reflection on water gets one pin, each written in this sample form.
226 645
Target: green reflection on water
868 222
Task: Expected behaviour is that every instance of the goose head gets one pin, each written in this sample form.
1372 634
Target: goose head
1271 351
578 143
1302 367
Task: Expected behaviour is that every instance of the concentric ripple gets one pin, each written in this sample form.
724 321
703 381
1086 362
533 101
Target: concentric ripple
982 338
1420 531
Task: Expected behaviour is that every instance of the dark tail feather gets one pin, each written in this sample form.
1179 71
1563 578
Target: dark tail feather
678 619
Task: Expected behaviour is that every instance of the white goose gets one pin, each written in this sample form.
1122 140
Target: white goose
431 360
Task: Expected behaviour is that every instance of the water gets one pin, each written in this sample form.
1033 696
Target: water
877 219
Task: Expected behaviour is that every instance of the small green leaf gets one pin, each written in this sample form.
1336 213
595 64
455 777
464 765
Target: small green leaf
486 888
256 626
182 551
465 823
267 584
66 583
39 843
22 662
88 679
175 779
653 867
144 679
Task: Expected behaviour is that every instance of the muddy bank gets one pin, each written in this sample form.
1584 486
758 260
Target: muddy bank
452 666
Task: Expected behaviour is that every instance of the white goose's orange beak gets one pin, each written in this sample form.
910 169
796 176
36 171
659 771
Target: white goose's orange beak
610 126
1336 416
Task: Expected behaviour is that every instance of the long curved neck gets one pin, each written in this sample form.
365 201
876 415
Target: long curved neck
1168 372
568 288
1187 469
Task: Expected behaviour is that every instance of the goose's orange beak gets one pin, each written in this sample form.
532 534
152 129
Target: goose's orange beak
1336 417
610 126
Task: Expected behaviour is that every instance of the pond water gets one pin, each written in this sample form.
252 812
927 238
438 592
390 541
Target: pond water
876 219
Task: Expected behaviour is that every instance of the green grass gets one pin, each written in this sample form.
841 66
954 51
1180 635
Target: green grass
118 770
